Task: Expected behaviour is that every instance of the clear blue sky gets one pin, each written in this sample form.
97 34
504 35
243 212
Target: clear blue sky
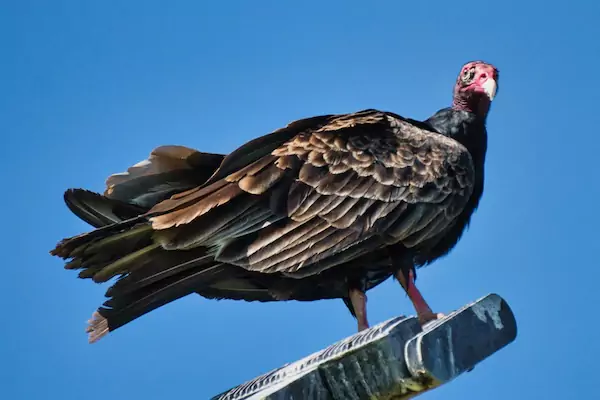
89 88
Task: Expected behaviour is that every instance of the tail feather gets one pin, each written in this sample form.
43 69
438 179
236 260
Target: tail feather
149 276
130 238
164 266
97 327
72 246
101 252
127 263
124 307
98 210
123 245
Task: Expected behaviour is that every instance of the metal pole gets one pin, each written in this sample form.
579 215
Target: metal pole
395 359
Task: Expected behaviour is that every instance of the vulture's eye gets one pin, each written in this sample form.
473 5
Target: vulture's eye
468 75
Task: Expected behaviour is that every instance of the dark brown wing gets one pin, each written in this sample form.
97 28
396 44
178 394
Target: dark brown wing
168 170
263 145
330 193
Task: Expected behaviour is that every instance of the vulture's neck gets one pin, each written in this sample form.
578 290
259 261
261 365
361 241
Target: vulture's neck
465 127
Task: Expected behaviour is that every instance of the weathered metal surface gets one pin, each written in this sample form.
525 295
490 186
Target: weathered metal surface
456 343
395 359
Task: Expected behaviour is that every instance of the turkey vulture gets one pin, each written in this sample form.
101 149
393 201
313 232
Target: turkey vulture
326 207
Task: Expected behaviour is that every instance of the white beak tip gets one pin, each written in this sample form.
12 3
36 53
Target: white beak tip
490 87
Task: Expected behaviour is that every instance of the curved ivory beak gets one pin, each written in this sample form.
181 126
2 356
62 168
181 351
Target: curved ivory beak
489 86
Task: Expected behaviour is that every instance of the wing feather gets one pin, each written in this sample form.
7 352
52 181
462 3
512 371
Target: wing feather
167 170
333 187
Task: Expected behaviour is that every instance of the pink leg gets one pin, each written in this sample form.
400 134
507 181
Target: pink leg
359 303
424 312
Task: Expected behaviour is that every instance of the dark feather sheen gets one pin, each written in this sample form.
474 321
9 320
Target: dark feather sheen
298 214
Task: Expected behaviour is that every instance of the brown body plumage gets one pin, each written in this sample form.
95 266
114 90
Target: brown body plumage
326 207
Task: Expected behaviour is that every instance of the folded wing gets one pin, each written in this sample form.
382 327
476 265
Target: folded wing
340 187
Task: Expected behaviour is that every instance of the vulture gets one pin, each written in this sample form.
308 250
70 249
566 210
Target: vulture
326 207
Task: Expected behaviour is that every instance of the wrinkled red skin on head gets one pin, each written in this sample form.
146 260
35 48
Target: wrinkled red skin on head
472 97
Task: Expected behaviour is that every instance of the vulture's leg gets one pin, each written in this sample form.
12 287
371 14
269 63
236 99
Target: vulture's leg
358 298
424 312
